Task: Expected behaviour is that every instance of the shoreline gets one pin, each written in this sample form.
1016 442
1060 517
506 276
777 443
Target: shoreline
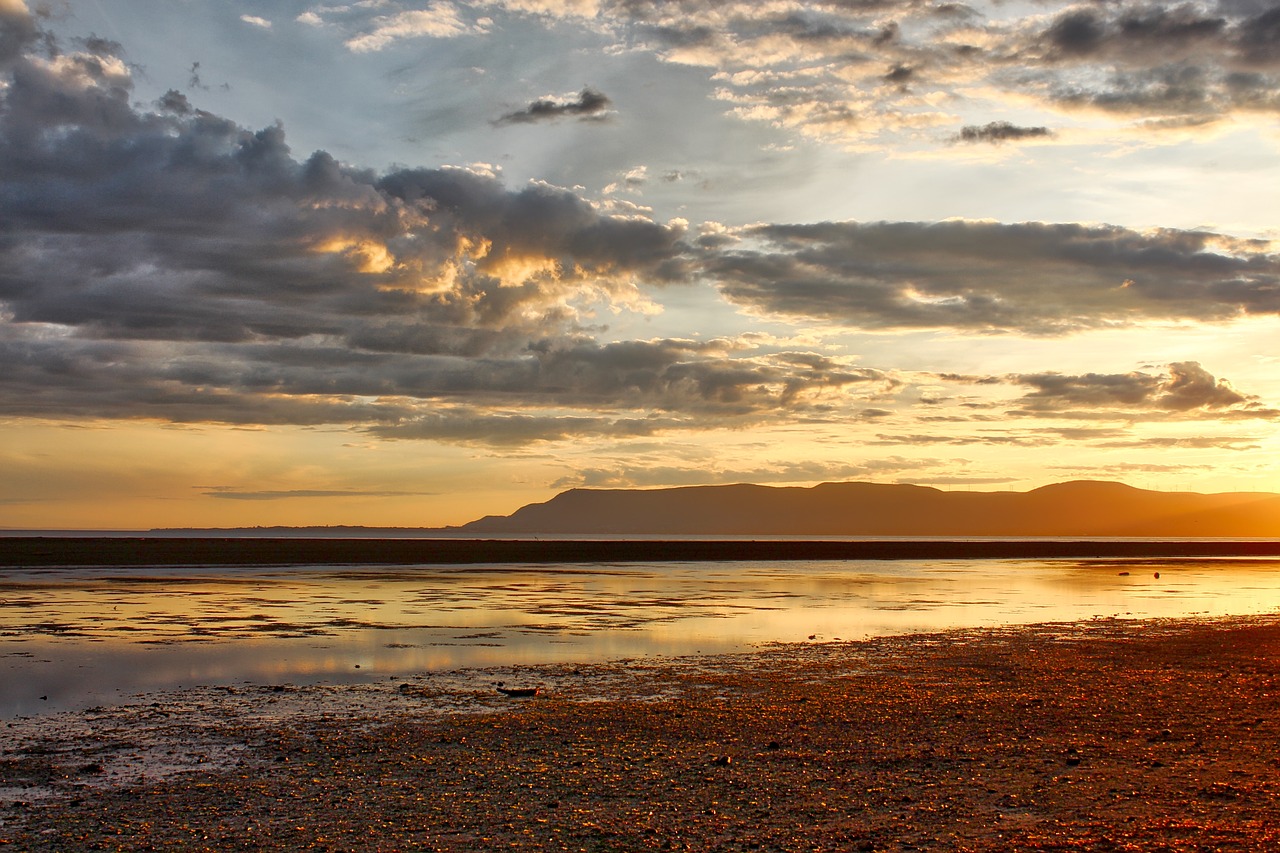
50 552
1109 733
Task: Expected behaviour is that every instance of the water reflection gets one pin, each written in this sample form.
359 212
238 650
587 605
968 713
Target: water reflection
79 637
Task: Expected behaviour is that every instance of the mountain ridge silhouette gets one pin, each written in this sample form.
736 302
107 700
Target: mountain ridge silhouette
1075 508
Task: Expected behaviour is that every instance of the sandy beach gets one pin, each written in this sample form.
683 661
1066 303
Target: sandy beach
1102 735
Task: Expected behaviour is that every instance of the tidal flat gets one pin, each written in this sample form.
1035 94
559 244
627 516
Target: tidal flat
83 636
1104 734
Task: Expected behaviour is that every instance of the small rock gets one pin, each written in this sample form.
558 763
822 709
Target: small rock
722 761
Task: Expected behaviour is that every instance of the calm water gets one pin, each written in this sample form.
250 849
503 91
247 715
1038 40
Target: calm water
84 637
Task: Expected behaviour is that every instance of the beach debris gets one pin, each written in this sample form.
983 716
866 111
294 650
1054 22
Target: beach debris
517 692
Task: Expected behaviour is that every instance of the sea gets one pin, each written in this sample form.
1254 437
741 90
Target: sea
74 638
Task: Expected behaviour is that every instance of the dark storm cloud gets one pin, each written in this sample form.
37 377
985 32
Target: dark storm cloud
998 132
1033 278
588 104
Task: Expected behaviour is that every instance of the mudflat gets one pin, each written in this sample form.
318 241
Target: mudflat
1102 735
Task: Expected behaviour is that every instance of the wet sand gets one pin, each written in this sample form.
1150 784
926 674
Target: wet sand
1102 735
37 551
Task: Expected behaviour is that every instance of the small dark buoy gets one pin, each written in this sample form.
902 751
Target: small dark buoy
1157 576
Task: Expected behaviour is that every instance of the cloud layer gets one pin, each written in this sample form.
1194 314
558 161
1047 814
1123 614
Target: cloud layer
870 72
1033 278
163 262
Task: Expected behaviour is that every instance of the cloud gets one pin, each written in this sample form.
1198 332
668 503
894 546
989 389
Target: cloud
1121 470
172 264
191 270
998 132
256 21
166 263
640 476
1186 389
438 20
874 73
588 104
1031 278
883 72
1200 442
553 8
231 494
1158 61
992 439
17 30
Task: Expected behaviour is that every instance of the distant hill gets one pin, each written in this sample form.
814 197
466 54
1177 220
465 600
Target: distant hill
1082 508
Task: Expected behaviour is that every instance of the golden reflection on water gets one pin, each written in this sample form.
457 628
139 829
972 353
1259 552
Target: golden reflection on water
73 635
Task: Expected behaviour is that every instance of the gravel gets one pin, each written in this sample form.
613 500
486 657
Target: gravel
1103 735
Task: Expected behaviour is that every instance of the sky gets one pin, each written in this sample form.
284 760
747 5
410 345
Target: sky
406 263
